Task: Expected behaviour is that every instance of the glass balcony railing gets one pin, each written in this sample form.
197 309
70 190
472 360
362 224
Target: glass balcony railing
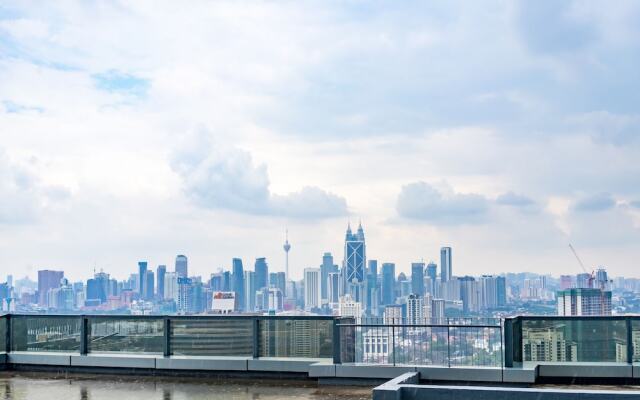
441 342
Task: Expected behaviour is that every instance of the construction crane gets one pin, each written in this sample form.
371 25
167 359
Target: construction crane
579 260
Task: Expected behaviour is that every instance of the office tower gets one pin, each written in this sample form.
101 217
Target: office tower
584 281
281 282
326 268
566 282
142 280
311 288
215 283
238 282
182 268
47 280
171 286
97 289
61 298
388 283
415 309
262 273
370 299
602 280
432 274
286 247
160 272
333 289
501 288
469 294
186 291
437 310
488 292
446 270
226 281
149 286
354 260
273 279
584 302
275 299
250 290
417 278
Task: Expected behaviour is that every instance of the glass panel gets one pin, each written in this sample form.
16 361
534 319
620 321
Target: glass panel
112 335
307 338
45 333
635 339
212 337
3 334
574 340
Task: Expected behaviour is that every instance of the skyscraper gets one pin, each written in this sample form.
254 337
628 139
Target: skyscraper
142 277
250 290
354 261
446 270
47 280
182 269
149 286
238 283
388 283
160 272
417 278
333 288
311 288
262 273
326 268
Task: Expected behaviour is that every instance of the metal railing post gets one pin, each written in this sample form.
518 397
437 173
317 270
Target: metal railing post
507 348
337 356
256 338
84 335
629 340
167 337
393 341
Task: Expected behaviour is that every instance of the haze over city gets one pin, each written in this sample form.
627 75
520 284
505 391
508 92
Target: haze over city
140 131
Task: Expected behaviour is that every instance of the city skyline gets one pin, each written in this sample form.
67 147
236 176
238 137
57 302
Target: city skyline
208 139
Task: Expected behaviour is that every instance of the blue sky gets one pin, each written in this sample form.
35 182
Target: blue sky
143 130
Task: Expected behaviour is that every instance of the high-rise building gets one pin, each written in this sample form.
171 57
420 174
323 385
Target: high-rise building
417 278
584 302
388 283
353 266
326 268
371 293
349 307
238 283
311 288
446 270
142 277
250 290
584 281
566 282
431 273
97 289
437 310
47 280
171 286
333 290
393 314
149 286
262 273
182 266
186 296
160 273
415 309
469 294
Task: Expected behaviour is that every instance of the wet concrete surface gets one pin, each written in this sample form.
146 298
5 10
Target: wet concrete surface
35 386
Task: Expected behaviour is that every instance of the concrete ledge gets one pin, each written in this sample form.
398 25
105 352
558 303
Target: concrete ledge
463 374
432 392
114 361
203 363
392 390
520 375
371 371
636 371
36 358
321 370
280 364
585 370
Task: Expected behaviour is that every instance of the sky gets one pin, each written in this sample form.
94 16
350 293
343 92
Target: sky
141 130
